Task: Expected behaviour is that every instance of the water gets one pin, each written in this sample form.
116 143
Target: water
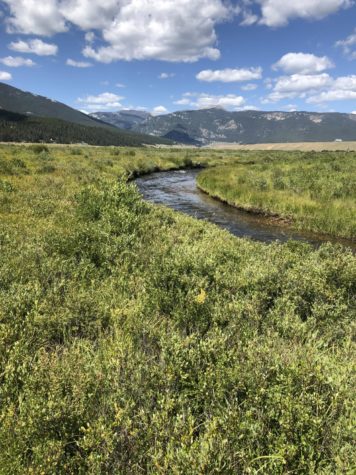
178 190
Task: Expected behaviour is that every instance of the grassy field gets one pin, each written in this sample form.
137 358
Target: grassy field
135 340
295 146
313 191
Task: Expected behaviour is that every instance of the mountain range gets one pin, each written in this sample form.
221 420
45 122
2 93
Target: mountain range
194 127
218 125
28 117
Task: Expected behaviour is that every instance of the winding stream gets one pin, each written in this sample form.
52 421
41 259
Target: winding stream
178 190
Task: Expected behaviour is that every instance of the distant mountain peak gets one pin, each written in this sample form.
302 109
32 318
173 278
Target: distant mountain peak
123 119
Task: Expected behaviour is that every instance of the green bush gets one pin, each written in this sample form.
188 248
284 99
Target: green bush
37 149
134 339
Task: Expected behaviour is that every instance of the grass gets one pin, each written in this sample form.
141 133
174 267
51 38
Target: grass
134 339
291 146
314 191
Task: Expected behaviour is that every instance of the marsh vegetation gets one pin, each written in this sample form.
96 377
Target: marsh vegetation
134 339
311 191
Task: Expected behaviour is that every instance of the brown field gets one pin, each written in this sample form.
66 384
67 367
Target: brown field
304 146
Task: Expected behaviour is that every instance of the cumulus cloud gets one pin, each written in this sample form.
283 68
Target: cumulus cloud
4 76
230 75
159 110
206 101
297 85
39 17
348 45
303 63
302 82
101 102
276 13
78 64
315 88
17 61
35 46
343 88
171 30
90 14
332 95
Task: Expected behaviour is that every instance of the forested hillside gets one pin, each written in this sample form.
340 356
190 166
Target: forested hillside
20 128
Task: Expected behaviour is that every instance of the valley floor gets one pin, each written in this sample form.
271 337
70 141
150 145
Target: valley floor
134 339
294 146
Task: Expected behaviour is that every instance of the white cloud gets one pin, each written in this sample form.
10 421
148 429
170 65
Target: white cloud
303 63
171 30
90 14
314 88
16 62
297 85
119 84
4 76
35 17
332 95
206 101
230 75
301 82
89 37
158 110
183 102
348 45
78 64
101 102
291 107
276 13
35 46
343 88
249 87
353 112
166 75
249 108
249 18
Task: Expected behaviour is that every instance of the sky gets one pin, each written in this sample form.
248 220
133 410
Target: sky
168 55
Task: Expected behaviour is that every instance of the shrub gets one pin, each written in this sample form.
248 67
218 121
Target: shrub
37 149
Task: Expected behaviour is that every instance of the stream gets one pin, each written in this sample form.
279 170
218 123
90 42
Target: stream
178 190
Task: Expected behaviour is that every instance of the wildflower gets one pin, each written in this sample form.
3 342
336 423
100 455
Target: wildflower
201 297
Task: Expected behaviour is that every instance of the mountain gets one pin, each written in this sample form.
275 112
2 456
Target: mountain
16 127
124 119
16 100
218 125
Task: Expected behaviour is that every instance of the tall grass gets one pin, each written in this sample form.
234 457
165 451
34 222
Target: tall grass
314 191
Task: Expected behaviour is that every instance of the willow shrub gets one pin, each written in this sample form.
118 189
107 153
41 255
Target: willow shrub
137 340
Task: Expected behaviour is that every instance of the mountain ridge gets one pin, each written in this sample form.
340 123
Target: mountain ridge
123 119
218 125
27 103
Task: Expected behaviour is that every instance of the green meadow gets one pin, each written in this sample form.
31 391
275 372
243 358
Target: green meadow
312 191
134 339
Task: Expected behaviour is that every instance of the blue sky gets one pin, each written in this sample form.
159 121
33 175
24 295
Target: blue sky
166 55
